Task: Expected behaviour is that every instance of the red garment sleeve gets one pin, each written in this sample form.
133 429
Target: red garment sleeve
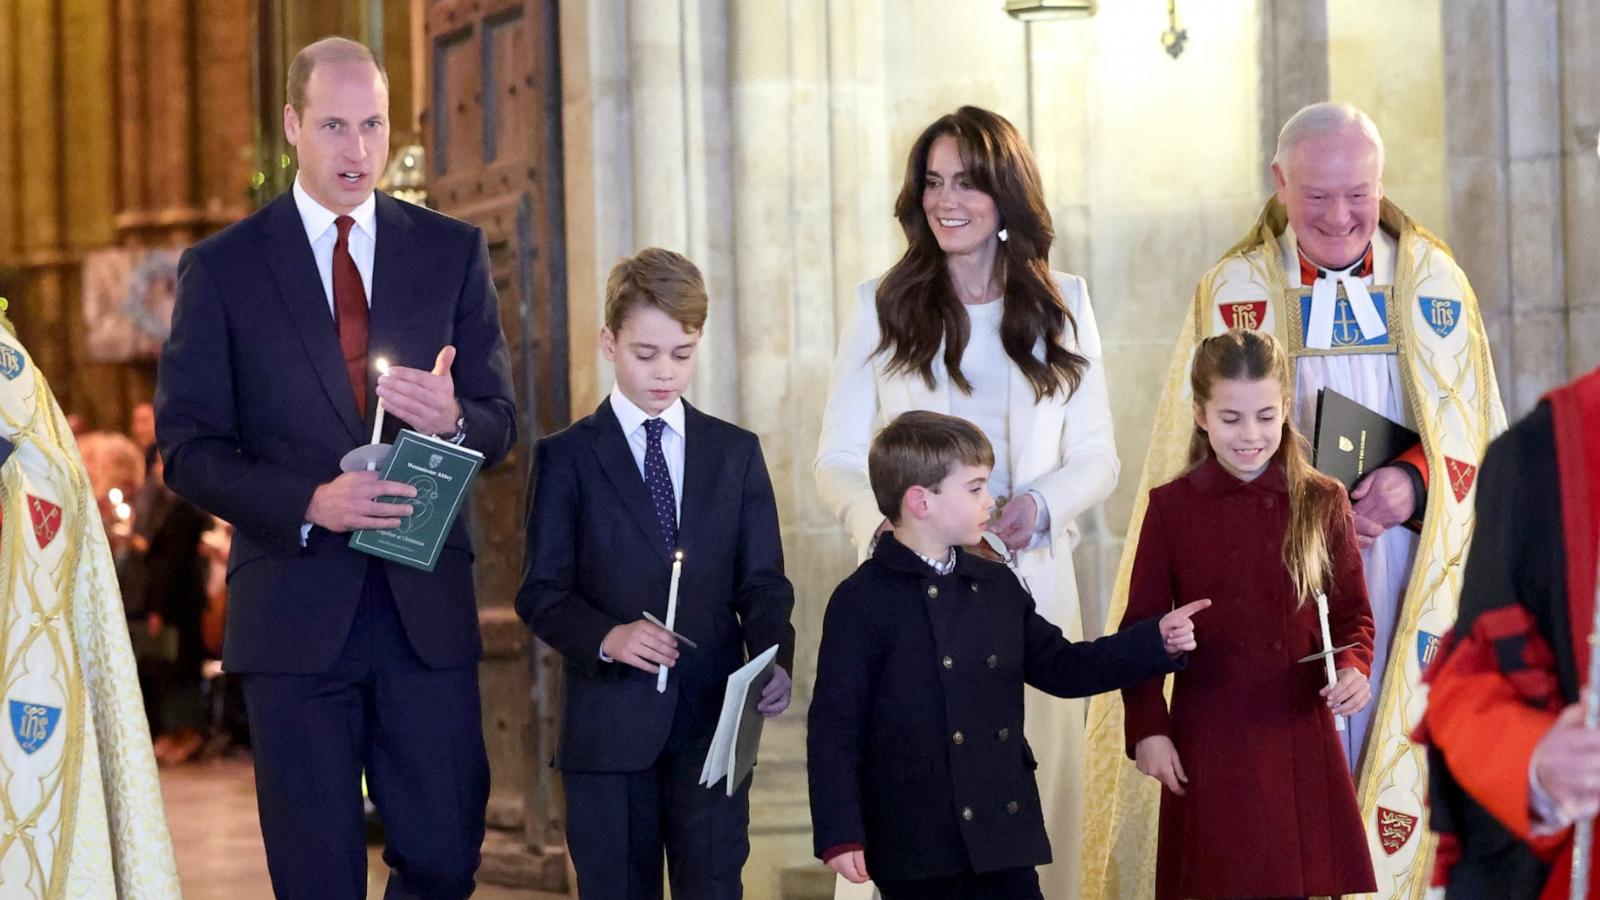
1349 610
1150 593
840 850
1418 458
1485 727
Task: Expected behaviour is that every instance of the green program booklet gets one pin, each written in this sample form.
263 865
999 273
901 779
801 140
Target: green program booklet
441 472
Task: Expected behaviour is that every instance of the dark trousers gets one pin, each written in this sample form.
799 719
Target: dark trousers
1007 884
416 732
618 824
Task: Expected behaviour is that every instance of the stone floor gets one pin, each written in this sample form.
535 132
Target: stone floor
211 811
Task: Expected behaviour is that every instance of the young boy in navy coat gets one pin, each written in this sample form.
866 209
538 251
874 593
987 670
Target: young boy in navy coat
920 776
613 498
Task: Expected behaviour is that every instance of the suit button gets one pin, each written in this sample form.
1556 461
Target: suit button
1266 502
1011 808
949 663
1005 734
959 738
992 661
974 587
966 813
933 590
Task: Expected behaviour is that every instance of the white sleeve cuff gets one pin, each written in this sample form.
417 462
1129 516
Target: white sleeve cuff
1544 814
1041 525
305 532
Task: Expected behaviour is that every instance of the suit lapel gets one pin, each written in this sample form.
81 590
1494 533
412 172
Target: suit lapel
1021 408
701 465
616 461
394 257
300 288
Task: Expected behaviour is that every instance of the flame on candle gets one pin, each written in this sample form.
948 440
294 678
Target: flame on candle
382 365
677 555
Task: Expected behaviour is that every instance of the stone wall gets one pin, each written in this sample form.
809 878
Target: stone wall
1522 108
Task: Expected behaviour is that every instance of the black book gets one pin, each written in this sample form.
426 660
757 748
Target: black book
1352 440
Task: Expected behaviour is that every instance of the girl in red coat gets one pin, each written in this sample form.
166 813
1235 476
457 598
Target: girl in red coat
1258 800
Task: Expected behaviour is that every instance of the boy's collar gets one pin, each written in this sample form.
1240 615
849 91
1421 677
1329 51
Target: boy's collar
630 416
897 557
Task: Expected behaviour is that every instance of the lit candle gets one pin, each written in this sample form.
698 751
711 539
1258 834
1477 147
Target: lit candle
377 420
1327 650
672 613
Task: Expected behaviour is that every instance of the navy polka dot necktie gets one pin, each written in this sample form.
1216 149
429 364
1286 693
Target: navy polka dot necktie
659 481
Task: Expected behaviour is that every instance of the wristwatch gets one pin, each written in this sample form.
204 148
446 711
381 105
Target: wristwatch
461 427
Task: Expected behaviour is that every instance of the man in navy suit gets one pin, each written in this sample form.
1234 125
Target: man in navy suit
613 497
350 664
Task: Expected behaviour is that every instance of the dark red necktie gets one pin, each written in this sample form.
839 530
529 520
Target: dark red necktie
350 313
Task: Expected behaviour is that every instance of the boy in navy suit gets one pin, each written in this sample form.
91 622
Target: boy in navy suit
920 776
613 498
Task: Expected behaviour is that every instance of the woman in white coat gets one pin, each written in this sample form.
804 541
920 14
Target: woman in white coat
972 322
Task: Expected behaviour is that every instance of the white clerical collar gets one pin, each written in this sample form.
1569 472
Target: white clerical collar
630 416
318 218
1325 299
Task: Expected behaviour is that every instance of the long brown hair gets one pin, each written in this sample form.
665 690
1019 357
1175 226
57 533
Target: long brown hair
917 303
1247 355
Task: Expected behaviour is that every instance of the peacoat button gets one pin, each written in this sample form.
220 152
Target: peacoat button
949 663
933 590
974 587
1005 734
1011 808
959 738
992 661
966 813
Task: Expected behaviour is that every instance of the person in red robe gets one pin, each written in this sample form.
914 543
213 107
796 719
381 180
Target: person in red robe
1512 764
1258 799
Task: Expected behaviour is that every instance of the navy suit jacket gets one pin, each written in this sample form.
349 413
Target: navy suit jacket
596 559
254 411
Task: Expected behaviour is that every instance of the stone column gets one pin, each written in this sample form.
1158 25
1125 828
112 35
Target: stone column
1520 122
1579 27
1293 52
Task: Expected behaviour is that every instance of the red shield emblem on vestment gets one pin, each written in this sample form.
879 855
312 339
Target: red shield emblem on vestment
1394 829
46 520
1245 314
1461 476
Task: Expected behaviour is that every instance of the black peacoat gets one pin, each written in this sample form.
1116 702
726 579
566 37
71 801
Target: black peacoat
915 748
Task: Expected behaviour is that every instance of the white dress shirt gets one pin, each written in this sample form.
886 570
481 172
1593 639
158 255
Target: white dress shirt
323 234
632 420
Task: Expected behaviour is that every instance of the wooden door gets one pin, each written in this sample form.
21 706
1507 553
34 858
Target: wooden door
492 129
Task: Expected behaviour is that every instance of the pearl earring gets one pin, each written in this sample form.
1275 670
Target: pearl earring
1003 236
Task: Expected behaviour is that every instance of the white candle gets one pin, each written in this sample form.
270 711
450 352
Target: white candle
377 420
672 613
1327 650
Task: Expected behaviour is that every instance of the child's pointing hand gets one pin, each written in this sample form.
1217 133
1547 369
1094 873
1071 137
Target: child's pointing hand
1177 628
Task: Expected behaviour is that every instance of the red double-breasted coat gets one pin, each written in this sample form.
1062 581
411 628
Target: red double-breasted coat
1269 808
